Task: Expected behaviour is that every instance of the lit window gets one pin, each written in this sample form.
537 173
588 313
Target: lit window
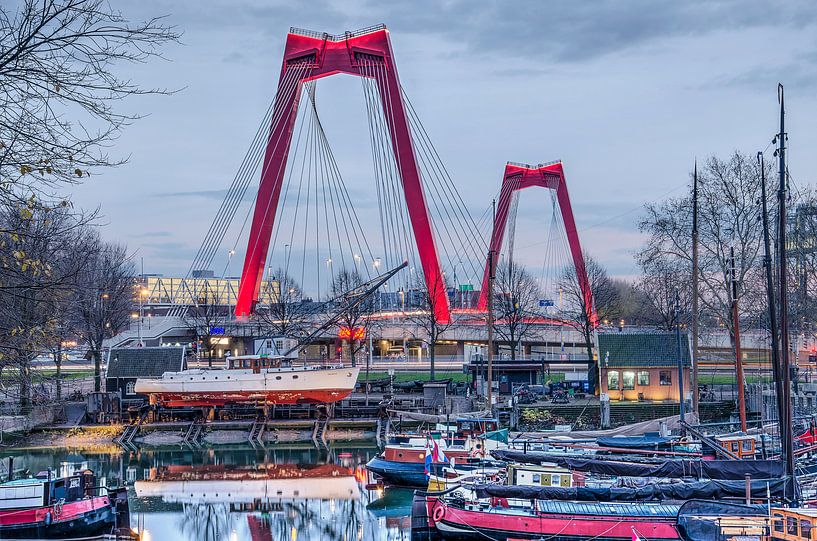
612 380
130 388
644 378
628 381
665 377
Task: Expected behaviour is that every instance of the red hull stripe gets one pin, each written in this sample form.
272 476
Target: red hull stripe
68 511
318 396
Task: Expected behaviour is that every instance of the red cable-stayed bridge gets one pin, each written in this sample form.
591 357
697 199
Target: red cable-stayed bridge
306 225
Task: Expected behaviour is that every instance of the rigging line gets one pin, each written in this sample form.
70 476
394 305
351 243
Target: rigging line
232 190
308 173
408 244
282 205
390 131
438 183
442 210
462 206
376 162
238 186
248 172
281 167
387 171
297 205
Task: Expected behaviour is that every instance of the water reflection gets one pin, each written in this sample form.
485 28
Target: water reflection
235 494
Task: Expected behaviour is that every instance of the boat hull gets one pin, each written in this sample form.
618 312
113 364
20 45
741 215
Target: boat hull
454 523
82 518
399 474
195 388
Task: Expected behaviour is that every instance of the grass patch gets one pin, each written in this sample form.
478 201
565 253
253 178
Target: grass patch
456 376
729 379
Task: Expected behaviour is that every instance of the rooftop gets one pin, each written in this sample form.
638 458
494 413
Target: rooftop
657 349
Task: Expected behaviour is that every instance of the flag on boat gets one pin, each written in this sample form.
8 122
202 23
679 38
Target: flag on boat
428 452
437 454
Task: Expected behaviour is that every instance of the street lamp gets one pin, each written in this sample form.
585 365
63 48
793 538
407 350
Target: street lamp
229 285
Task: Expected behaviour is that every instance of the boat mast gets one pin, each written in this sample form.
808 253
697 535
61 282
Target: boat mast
491 274
770 291
695 289
785 413
736 331
681 401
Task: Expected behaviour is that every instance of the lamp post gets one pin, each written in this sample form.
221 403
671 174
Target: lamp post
229 284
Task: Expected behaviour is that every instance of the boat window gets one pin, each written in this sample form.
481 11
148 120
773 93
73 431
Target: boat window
778 522
748 445
628 381
612 380
277 377
805 528
643 378
791 525
665 377
295 377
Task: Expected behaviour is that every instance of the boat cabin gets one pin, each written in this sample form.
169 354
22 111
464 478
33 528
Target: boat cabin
741 445
542 476
796 524
254 362
44 490
475 427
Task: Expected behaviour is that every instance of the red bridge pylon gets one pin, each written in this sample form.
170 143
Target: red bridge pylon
551 176
309 56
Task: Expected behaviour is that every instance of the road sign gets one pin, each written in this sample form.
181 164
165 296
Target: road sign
546 302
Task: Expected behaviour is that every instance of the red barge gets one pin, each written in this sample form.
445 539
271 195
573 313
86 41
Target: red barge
45 507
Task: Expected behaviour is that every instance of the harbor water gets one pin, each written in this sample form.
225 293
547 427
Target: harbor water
242 493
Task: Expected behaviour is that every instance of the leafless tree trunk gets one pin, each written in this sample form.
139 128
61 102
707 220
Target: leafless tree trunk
431 330
575 313
516 299
286 313
356 319
105 297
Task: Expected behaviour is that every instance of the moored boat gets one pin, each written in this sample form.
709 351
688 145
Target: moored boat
251 379
48 507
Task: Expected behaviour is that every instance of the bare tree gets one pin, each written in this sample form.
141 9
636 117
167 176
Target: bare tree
59 88
729 192
38 266
516 298
287 314
356 319
658 283
206 317
423 316
575 311
105 296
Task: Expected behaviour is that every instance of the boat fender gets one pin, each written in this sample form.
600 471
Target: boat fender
47 518
438 514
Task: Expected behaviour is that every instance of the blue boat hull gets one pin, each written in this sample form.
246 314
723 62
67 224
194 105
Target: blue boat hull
399 474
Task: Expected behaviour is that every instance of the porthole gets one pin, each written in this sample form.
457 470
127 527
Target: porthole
277 377
294 377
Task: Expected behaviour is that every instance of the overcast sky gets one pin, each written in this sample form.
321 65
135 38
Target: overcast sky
626 93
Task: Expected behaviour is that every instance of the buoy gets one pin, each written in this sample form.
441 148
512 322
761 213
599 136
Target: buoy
438 514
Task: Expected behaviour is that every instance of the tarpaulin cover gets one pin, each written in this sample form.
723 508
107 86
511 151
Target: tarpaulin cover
700 521
677 468
645 441
705 490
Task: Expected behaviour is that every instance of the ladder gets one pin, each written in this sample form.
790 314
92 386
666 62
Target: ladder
257 432
193 435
